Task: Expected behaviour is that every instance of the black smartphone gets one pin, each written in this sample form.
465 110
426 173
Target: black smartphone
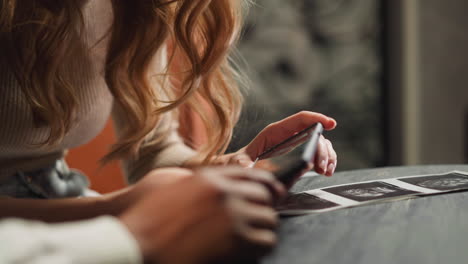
290 143
291 172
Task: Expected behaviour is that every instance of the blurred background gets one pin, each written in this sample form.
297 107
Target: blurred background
391 72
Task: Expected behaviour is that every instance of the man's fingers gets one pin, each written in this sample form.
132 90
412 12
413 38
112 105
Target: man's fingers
237 173
268 180
263 177
262 237
257 215
252 191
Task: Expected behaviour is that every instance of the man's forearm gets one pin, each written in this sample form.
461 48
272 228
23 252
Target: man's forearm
59 210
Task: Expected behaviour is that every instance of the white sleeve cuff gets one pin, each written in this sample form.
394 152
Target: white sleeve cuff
100 240
96 241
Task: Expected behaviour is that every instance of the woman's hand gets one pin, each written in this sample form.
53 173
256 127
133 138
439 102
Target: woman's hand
325 160
222 212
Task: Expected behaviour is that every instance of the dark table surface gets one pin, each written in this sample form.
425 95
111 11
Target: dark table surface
424 230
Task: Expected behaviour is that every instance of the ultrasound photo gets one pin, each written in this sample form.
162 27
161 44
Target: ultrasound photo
369 191
304 201
444 182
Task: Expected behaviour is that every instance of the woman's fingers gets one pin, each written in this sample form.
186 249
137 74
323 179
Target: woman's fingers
283 129
326 158
302 120
321 158
332 158
240 159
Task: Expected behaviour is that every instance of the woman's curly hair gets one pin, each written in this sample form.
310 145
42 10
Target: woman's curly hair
200 35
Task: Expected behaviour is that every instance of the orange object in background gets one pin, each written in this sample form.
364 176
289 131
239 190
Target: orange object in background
110 177
86 159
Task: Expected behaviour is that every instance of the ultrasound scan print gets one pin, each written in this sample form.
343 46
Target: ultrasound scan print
369 191
304 201
445 182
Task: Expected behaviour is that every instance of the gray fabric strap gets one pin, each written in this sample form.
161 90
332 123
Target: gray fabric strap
55 181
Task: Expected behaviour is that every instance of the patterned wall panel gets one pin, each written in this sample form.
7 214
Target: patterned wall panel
317 55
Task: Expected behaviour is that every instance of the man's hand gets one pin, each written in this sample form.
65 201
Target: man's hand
218 214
